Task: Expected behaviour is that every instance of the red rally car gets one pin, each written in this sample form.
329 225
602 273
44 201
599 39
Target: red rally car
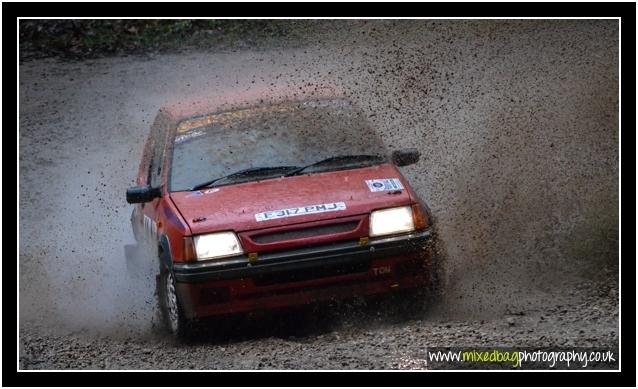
275 198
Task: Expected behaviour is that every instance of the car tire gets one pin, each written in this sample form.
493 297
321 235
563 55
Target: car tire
173 318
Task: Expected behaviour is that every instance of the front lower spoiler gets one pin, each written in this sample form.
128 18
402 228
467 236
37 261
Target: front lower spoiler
350 252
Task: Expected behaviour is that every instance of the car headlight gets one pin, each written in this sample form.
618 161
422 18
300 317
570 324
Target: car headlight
391 221
217 245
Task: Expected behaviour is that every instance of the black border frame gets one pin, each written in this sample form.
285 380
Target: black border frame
627 12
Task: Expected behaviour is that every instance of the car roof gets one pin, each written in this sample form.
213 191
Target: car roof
252 97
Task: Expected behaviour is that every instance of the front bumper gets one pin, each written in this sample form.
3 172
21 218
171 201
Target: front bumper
297 276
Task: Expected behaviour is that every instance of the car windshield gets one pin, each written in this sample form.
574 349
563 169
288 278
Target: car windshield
289 134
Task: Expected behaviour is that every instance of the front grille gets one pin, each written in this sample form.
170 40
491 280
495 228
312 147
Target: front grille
311 274
305 232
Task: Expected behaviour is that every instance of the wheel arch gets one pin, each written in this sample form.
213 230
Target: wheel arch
164 252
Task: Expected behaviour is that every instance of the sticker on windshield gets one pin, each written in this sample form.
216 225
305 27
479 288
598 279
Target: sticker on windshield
384 184
183 138
299 211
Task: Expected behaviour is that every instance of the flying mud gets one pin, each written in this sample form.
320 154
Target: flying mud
517 125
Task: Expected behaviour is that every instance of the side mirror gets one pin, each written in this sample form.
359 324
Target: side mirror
142 194
405 157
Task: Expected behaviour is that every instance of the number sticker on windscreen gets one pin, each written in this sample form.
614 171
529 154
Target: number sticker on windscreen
384 184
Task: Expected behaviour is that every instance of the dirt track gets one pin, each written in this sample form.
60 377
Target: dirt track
518 127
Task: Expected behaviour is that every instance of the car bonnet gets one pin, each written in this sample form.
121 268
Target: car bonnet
290 200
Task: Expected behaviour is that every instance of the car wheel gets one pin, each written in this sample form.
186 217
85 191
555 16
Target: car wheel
173 316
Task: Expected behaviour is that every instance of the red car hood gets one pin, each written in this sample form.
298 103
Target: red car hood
238 207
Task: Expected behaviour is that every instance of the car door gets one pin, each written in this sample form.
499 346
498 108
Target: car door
157 146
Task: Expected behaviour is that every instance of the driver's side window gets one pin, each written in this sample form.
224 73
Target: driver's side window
157 145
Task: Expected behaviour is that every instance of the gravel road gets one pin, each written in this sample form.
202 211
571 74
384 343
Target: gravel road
517 123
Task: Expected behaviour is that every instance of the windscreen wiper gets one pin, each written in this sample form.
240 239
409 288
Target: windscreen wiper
341 158
245 172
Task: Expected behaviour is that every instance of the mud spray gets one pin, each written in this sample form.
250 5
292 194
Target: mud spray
516 121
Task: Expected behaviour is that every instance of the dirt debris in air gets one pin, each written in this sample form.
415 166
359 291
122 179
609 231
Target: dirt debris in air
518 129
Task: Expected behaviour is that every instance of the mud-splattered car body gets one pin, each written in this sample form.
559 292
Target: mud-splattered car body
298 238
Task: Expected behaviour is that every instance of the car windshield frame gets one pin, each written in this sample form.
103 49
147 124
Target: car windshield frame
329 168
